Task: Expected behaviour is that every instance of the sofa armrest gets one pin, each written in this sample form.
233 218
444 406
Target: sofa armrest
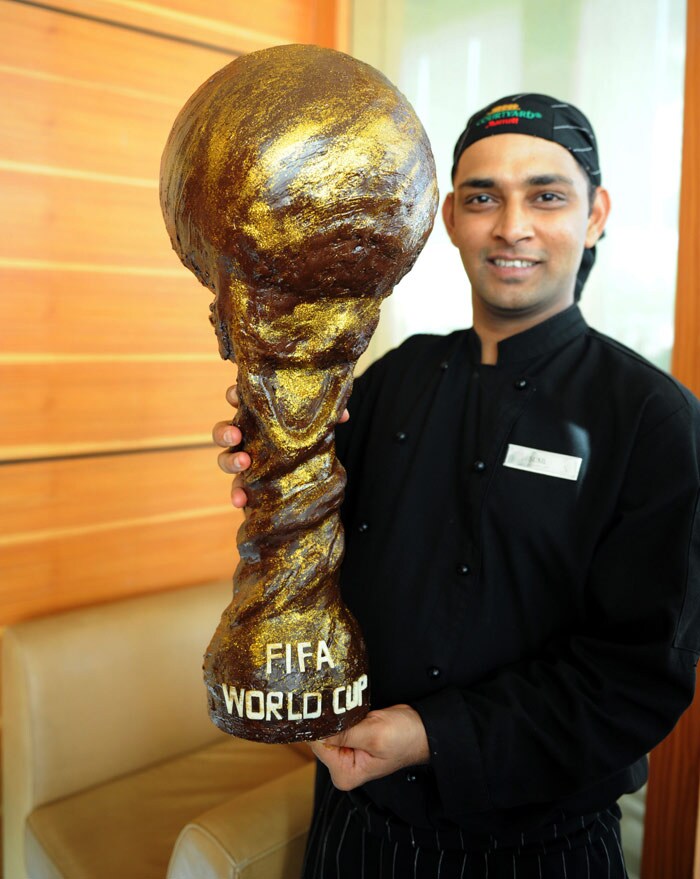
101 692
259 834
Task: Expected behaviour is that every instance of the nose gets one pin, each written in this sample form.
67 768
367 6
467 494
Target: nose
513 223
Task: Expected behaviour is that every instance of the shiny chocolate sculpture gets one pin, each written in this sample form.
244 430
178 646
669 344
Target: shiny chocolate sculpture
299 186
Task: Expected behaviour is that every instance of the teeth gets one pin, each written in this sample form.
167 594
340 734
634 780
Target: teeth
514 263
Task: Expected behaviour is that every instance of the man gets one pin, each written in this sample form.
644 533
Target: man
522 546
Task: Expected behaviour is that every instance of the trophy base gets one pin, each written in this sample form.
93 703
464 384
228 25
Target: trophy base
266 686
274 717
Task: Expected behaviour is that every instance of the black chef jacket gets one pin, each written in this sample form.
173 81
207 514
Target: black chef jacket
545 628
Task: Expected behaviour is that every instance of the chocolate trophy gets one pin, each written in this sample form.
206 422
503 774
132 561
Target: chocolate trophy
299 187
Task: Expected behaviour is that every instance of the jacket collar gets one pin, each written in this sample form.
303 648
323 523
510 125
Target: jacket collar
538 340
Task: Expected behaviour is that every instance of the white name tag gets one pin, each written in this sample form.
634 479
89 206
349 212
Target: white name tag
546 463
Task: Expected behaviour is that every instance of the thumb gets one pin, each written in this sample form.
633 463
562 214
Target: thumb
339 740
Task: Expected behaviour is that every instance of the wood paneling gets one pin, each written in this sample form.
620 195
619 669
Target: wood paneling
54 310
332 24
92 405
73 220
110 378
686 348
80 531
52 123
53 497
672 811
96 566
241 27
51 45
671 817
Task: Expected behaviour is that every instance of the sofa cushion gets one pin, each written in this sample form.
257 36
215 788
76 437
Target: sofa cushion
119 684
133 665
257 834
127 827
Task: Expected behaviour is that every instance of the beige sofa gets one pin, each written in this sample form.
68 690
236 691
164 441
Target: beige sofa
111 767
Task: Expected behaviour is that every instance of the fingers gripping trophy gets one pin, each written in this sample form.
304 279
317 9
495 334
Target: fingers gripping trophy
299 187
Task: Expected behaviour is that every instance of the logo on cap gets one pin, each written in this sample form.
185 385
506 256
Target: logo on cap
507 114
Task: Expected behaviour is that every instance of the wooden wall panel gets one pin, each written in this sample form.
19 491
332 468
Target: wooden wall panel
241 27
77 531
332 24
70 219
89 405
51 122
290 20
686 348
49 45
60 496
99 565
671 839
110 378
57 309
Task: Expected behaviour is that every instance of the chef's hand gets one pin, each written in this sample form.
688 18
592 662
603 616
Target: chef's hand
383 742
232 461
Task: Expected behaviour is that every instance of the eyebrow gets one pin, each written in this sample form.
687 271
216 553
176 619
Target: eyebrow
549 179
537 180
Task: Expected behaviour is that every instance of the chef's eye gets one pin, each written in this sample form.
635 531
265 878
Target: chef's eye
550 197
482 198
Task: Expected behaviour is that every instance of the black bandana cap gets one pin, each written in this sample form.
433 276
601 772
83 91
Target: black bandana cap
546 117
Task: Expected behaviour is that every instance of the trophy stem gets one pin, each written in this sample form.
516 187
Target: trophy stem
287 662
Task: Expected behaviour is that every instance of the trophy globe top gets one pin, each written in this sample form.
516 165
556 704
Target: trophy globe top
298 185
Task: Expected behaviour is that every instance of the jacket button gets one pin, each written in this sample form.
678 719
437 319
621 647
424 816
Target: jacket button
411 777
362 527
521 384
400 436
479 466
444 365
434 672
463 569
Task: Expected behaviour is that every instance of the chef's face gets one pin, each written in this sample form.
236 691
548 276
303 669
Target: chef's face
521 215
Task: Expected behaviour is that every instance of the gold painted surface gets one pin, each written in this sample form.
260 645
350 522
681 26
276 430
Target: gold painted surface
298 185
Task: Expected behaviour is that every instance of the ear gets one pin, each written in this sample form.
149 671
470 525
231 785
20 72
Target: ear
448 215
598 216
